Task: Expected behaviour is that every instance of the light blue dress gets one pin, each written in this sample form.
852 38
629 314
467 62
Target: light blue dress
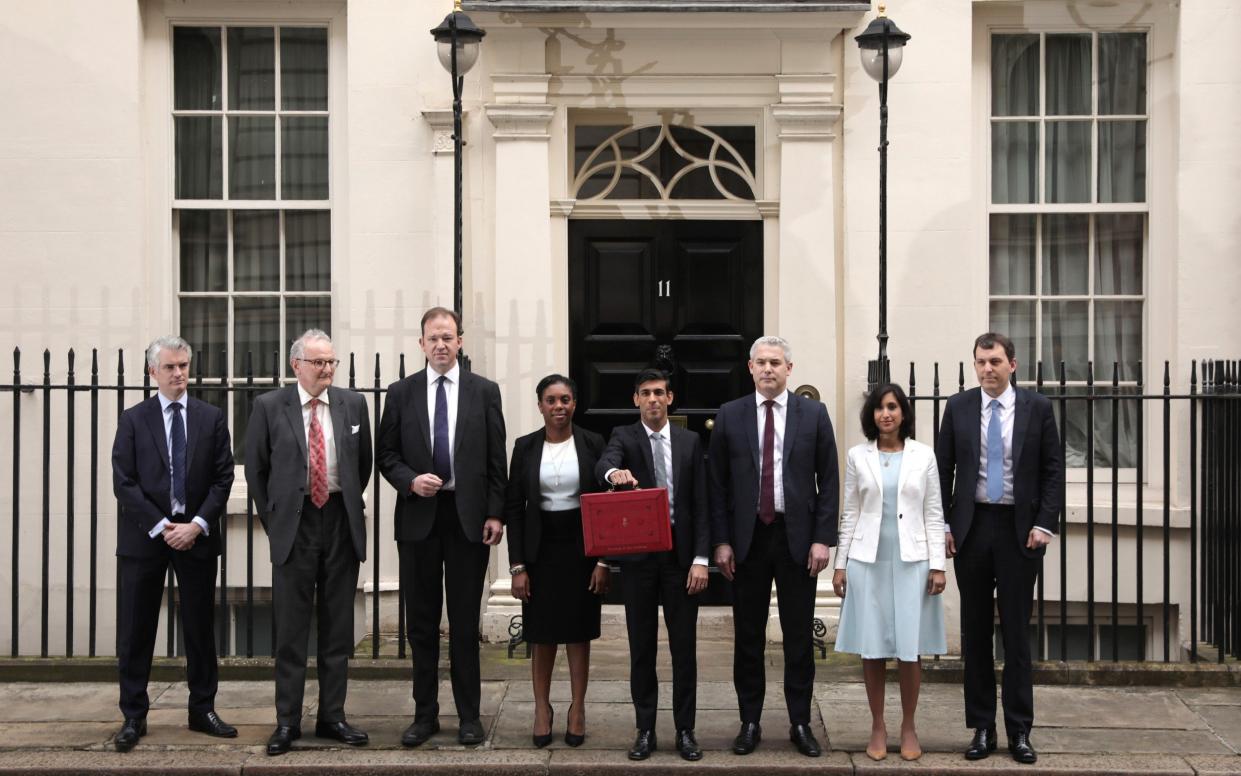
887 612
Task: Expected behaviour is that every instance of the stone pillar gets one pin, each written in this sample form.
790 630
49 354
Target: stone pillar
526 279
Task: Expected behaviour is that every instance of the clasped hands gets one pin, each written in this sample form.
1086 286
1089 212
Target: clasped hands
181 536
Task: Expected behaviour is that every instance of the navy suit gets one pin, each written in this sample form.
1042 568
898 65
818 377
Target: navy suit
778 552
142 482
992 556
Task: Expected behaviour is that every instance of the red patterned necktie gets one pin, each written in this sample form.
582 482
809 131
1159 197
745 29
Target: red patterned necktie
767 480
318 458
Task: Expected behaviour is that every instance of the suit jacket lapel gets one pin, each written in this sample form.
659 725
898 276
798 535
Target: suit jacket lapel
973 431
750 414
534 467
906 468
585 471
419 388
465 403
644 448
872 462
293 413
1021 421
193 425
792 416
340 424
155 423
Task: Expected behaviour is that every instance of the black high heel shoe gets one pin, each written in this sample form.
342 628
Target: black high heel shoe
573 739
541 741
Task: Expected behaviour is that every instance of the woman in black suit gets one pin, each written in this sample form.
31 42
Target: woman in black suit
559 587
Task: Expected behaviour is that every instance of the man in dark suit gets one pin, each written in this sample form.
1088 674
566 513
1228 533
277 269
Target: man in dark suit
774 506
653 453
308 458
998 444
441 445
172 468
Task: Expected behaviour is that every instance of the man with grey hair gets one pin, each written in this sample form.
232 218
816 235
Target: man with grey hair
172 468
308 459
774 504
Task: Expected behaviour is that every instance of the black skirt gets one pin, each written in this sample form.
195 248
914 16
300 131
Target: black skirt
561 609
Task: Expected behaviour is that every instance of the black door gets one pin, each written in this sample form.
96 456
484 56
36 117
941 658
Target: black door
686 296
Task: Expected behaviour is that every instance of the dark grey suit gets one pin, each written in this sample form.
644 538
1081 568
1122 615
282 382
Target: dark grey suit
310 547
440 538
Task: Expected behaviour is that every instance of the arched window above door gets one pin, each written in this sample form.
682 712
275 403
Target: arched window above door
664 162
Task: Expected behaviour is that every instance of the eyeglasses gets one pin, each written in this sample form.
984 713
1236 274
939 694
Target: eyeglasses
321 363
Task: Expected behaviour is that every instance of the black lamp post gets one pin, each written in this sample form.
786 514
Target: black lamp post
458 39
881 47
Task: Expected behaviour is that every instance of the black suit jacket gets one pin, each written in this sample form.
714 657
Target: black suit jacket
810 475
1038 470
630 448
276 463
522 513
142 476
404 451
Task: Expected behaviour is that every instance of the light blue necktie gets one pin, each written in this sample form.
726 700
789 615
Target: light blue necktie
995 455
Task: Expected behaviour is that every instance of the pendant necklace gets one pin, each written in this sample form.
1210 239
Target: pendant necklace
557 461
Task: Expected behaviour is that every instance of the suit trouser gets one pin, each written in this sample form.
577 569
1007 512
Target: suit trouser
444 565
142 592
990 559
646 583
769 560
320 576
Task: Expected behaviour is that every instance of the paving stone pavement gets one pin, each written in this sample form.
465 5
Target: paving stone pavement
54 728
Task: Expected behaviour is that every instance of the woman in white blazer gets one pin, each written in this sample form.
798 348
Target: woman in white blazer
890 560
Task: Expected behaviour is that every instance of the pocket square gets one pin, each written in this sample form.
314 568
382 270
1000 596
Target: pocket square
354 429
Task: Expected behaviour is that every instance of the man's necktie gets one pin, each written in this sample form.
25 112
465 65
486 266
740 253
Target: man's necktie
178 454
318 458
440 458
767 480
995 454
657 454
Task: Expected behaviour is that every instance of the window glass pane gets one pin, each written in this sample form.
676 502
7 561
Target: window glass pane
1014 162
1068 75
252 157
1012 254
1118 253
1122 73
312 312
308 250
1073 425
1122 161
1014 75
1066 247
1125 425
256 250
1117 338
1016 319
256 330
303 68
204 324
251 68
196 68
586 139
199 174
304 172
1068 161
203 241
1066 337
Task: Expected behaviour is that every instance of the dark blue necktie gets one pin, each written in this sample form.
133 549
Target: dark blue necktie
178 454
440 458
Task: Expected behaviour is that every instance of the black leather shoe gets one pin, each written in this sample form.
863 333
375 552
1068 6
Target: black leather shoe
341 731
643 745
982 745
131 730
542 740
687 746
1021 750
747 738
804 740
282 739
418 733
210 723
471 733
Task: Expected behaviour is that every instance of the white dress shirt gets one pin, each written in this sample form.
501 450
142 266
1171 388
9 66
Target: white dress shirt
1008 413
779 412
450 392
325 423
560 480
177 507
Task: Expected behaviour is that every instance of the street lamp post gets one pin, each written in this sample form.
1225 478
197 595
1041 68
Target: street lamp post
458 39
881 47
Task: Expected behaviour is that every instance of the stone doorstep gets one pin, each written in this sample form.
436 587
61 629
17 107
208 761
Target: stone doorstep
564 763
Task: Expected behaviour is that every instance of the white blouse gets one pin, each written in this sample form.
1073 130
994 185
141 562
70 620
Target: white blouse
559 480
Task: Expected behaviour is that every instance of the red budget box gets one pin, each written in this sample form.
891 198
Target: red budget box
626 522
